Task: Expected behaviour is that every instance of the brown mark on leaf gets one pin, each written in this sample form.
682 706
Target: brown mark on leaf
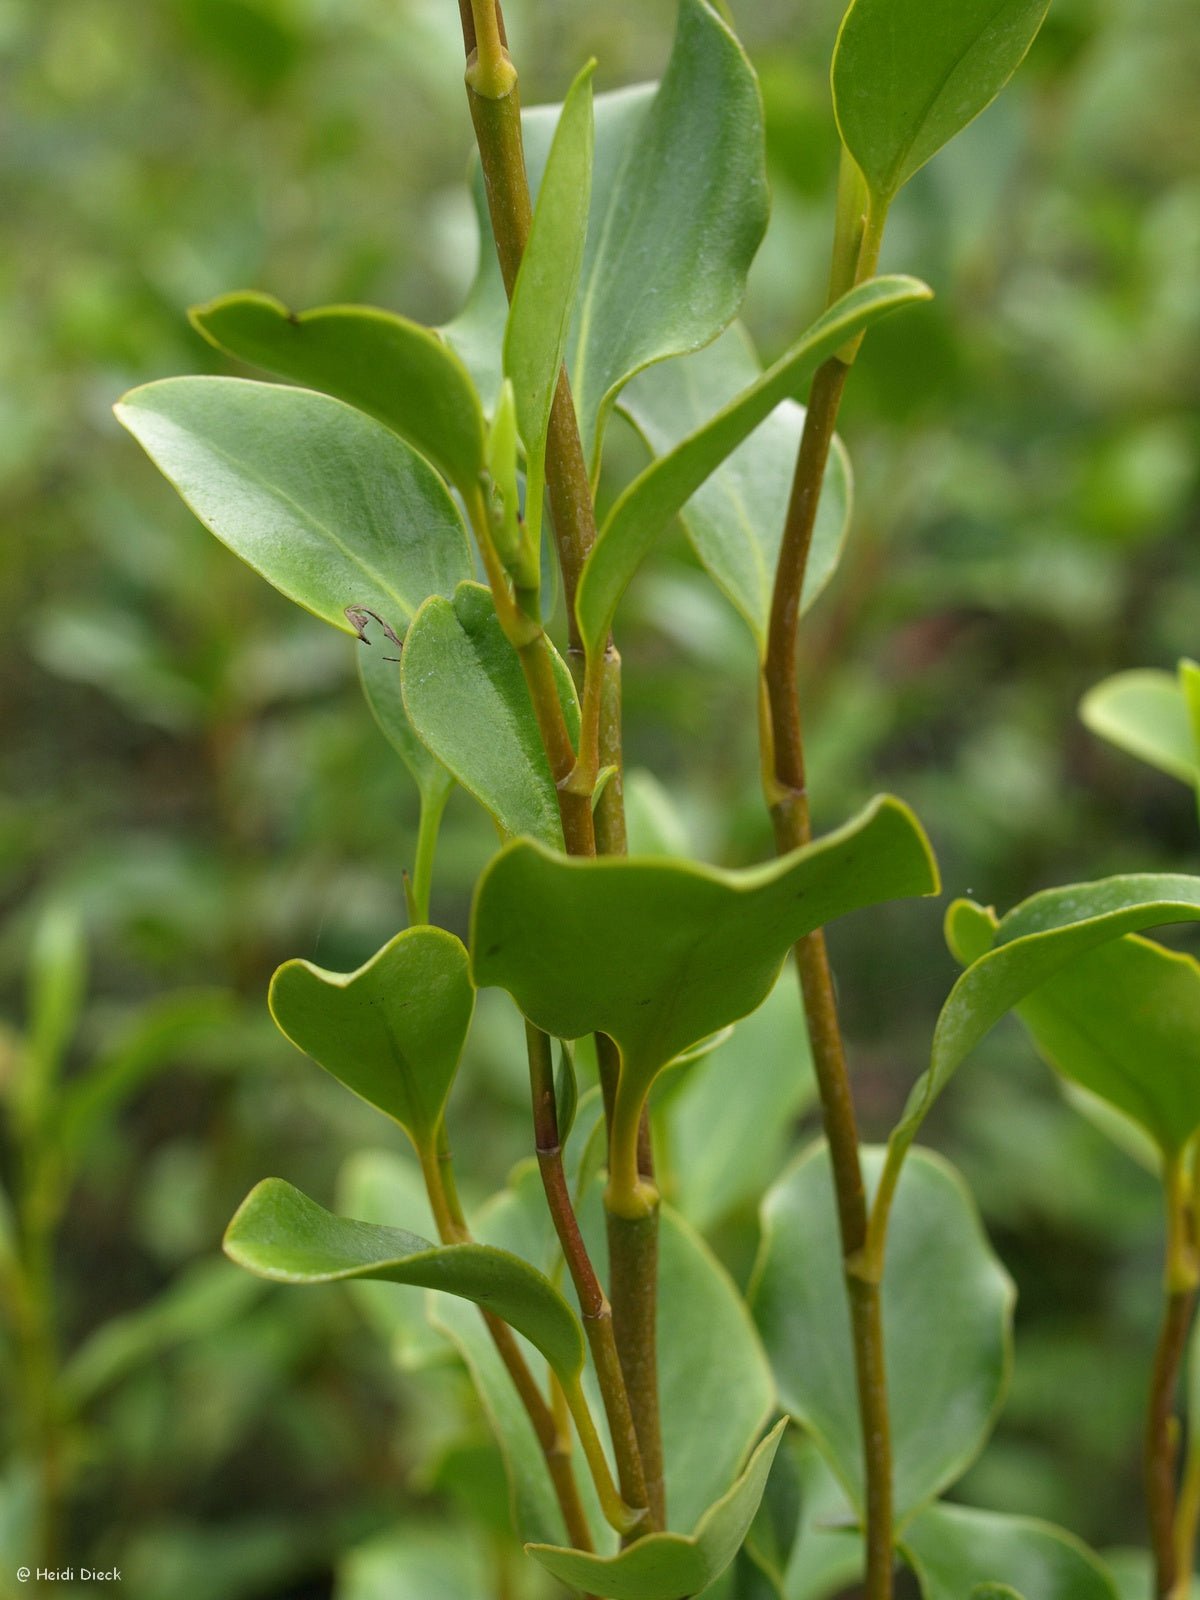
357 617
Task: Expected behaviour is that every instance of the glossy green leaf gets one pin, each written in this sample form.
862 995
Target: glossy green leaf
467 699
398 372
280 1234
1132 1574
381 1186
658 953
650 502
1036 940
952 1550
325 502
378 661
729 1124
392 1031
946 1374
1123 1021
735 519
1145 714
827 1553
535 338
683 162
665 1566
910 74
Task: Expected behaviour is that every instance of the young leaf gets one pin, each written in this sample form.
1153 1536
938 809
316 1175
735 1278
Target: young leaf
398 372
326 503
659 953
466 696
952 1549
393 1031
1145 714
280 1234
679 206
735 519
647 506
1123 1021
535 338
910 74
664 1566
1033 942
946 1374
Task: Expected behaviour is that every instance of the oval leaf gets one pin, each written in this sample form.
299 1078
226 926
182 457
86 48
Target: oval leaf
664 1566
952 1550
326 503
946 1374
1033 942
398 372
379 674
1123 1021
735 520
393 1031
1145 714
659 954
650 502
466 696
280 1234
682 162
535 339
910 74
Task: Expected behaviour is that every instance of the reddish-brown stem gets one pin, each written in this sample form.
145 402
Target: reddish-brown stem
787 792
1162 1439
593 1302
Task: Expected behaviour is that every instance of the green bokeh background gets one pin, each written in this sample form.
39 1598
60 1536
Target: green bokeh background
189 763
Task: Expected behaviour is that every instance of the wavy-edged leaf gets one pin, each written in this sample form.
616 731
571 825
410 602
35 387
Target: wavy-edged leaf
392 1031
946 1373
280 1234
1145 713
659 493
664 1566
326 503
467 699
398 372
910 74
658 953
1033 942
1122 1021
952 1549
535 338
682 162
735 520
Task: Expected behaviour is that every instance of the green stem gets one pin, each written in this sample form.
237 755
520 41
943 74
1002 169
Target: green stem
432 811
1162 1424
633 1280
593 1302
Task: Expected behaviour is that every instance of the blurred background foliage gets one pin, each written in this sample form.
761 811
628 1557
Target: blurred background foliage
189 769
